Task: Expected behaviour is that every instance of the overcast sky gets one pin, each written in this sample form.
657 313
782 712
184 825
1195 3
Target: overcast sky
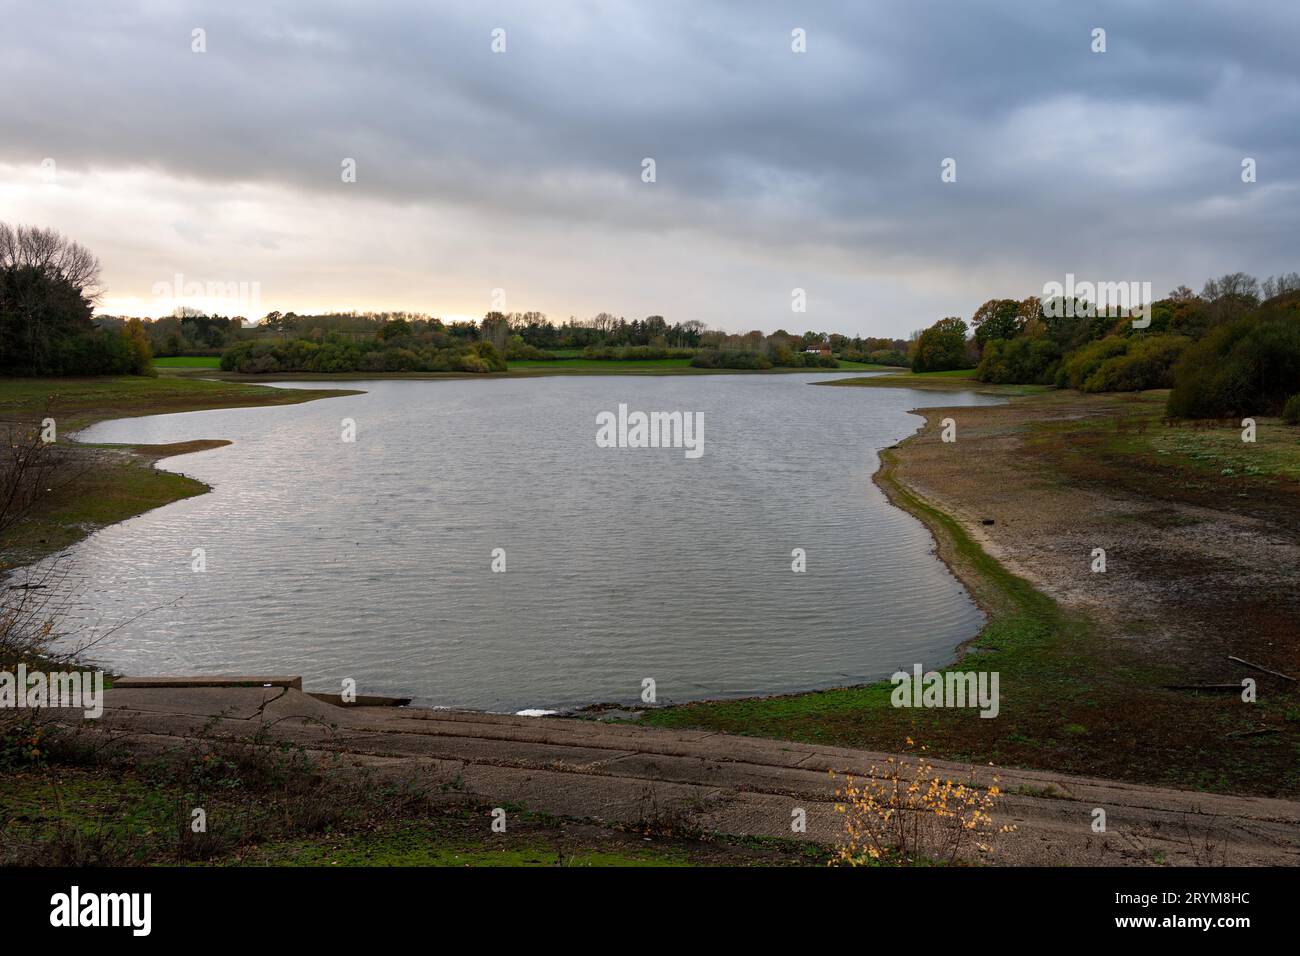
775 170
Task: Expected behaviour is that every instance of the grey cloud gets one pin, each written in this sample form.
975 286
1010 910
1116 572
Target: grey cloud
1066 159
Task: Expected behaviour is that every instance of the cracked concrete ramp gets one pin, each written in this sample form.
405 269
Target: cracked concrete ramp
743 786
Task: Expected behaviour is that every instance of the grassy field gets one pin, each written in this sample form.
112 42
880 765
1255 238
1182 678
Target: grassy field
78 402
188 361
61 813
109 492
958 380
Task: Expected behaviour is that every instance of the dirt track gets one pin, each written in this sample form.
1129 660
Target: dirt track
736 785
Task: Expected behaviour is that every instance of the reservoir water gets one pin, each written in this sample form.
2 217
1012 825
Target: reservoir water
373 559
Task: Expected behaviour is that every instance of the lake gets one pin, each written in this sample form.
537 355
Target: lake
373 559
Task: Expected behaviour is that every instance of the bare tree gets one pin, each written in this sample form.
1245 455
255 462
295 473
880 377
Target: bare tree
31 469
1279 285
28 466
53 253
1237 285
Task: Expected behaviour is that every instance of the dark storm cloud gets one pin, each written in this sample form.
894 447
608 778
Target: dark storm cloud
1066 159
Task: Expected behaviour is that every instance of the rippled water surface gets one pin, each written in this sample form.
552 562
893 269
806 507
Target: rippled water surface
371 560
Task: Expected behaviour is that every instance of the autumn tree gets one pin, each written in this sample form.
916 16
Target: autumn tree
941 347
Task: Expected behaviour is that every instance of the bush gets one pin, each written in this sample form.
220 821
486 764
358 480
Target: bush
339 354
333 357
1249 366
1120 364
401 360
1148 363
888 357
635 353
1291 410
730 358
1019 361
1083 362
517 349
905 812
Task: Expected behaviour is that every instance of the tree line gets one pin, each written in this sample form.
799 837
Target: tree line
1232 349
516 336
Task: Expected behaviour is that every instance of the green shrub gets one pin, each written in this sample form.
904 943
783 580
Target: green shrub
1147 363
888 357
1019 361
1121 364
730 358
635 353
518 349
1250 366
1291 410
339 354
1080 364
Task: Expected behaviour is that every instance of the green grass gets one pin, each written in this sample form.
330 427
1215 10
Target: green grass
77 402
188 361
1221 453
82 798
846 365
428 843
951 381
129 816
1136 446
105 494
